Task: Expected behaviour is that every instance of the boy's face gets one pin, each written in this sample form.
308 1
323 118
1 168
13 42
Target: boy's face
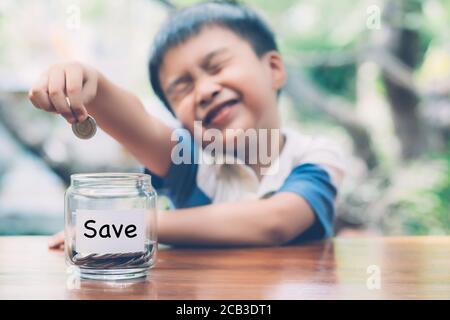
216 78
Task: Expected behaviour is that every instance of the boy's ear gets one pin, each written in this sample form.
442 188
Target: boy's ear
277 69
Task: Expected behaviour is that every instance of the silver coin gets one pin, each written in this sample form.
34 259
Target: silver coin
85 129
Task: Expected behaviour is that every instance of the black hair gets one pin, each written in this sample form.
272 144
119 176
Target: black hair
188 22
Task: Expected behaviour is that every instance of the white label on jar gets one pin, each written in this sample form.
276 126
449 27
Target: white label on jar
110 231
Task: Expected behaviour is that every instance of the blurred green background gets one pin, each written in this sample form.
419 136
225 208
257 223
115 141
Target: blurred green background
372 75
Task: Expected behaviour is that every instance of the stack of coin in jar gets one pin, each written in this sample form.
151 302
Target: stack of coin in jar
114 260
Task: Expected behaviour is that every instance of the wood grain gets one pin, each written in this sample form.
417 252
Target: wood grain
411 268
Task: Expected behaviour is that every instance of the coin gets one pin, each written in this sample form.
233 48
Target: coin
85 129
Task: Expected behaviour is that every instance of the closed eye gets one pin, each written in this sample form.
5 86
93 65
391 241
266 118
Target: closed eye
216 64
179 87
214 68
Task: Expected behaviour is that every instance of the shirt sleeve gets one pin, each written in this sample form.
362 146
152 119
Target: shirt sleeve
313 183
180 180
328 155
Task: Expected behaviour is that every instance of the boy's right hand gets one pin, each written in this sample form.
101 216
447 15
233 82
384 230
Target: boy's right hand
73 80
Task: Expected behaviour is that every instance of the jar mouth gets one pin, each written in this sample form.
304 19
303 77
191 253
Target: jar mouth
110 177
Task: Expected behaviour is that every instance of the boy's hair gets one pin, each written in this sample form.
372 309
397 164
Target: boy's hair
188 22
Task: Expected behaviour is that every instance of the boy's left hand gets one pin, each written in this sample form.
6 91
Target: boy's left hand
57 241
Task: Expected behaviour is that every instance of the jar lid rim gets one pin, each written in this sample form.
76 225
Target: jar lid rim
114 176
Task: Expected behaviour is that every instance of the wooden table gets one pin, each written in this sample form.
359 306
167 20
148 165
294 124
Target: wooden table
409 268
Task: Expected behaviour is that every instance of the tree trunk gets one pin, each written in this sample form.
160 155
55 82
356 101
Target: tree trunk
335 108
404 44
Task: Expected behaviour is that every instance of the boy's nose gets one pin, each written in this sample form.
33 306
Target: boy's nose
206 101
207 93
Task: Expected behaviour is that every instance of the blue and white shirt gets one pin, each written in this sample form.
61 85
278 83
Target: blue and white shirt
312 168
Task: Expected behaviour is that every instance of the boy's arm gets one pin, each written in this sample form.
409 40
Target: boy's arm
271 221
122 115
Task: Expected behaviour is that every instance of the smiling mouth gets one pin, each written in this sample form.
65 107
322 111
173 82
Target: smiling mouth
214 114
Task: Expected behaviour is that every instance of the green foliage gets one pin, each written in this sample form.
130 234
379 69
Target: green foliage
338 80
425 209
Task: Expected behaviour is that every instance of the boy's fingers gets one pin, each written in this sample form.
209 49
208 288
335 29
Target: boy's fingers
74 83
56 241
38 95
89 87
56 84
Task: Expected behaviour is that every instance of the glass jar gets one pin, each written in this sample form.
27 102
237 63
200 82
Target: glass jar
110 225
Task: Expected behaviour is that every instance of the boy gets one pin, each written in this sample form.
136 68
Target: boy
215 66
